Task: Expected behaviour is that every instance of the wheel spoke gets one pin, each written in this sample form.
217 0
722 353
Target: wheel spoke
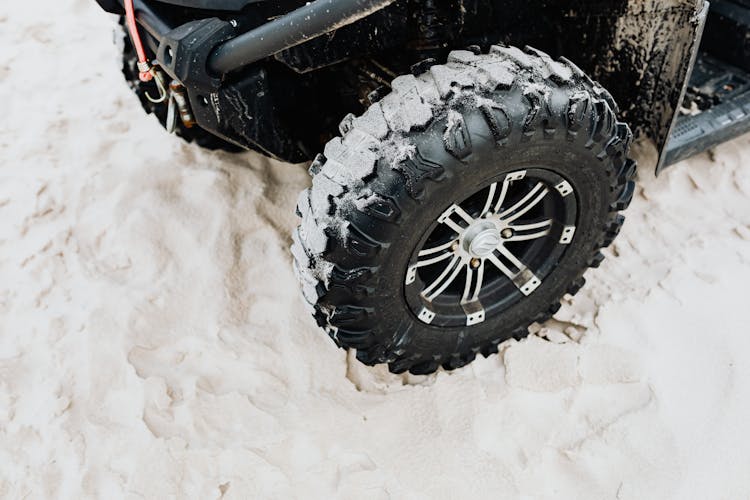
430 251
503 268
521 231
444 280
524 279
456 227
512 258
525 204
445 218
479 282
462 213
536 225
467 285
434 260
446 284
503 194
530 236
490 198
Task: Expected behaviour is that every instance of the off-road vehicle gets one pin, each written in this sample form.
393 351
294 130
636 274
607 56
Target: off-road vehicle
469 157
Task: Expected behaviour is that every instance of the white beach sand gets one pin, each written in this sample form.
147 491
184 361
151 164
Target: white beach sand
153 342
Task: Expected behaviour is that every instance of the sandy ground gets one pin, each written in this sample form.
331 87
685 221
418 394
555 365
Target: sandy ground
153 342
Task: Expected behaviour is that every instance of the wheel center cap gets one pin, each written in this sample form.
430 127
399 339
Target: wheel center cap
482 239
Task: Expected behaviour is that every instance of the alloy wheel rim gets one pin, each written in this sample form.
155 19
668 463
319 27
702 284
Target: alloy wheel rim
489 251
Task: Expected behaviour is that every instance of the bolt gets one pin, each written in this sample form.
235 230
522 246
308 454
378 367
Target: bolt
506 233
454 247
475 263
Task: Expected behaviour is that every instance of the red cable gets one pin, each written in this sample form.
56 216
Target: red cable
143 73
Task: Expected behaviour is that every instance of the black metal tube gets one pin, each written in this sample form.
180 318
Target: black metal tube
150 21
299 26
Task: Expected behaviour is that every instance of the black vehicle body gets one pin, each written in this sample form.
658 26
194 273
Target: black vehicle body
470 157
265 76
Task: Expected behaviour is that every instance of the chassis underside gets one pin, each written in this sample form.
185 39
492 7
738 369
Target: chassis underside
289 102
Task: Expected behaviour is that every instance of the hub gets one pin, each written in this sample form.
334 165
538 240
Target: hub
481 239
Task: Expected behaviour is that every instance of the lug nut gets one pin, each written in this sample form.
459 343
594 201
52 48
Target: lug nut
454 247
506 233
475 263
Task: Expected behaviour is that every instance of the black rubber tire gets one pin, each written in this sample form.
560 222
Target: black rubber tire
432 141
194 134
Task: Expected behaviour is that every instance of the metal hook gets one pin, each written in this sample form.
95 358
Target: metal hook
160 85
171 123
